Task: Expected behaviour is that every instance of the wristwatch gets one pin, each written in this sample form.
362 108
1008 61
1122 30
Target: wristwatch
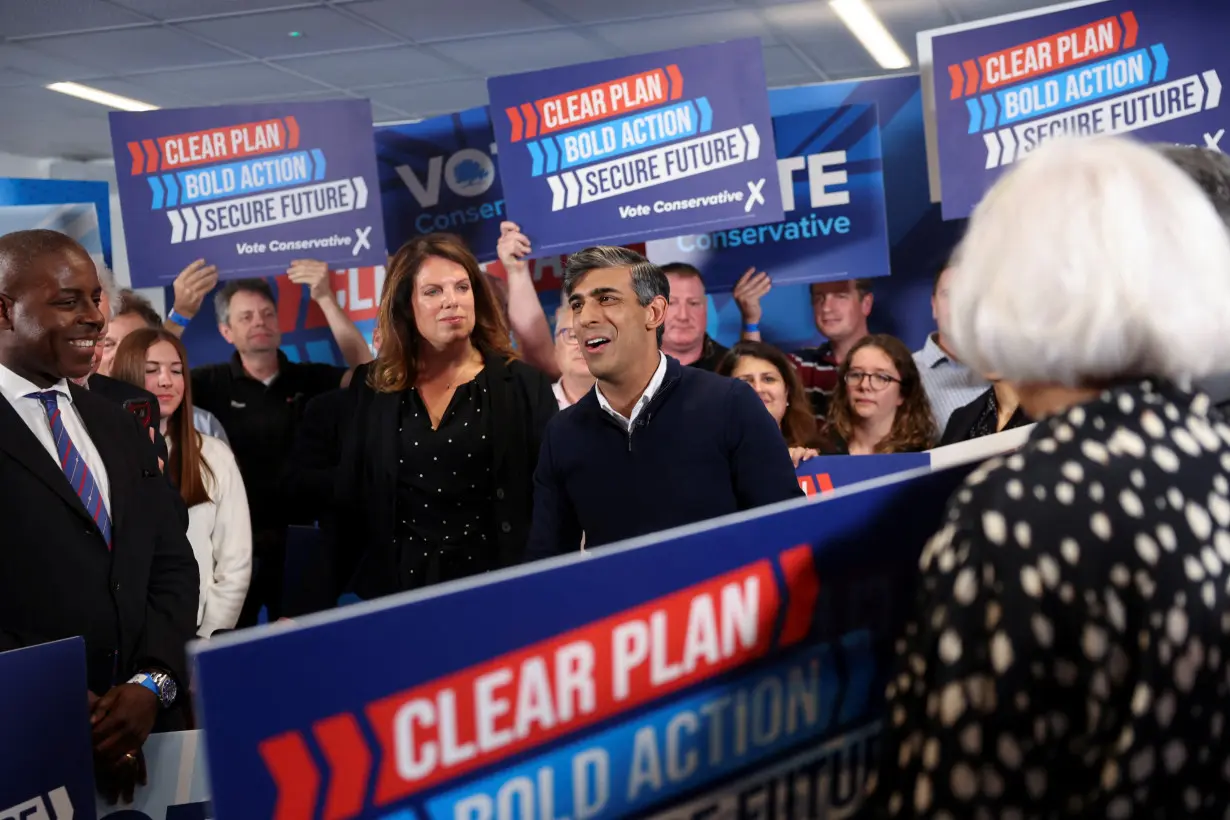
160 683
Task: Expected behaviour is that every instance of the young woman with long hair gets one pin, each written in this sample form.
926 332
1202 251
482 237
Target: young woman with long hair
204 470
879 405
778 385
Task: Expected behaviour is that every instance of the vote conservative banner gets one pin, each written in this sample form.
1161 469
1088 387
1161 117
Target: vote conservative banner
831 176
439 174
249 188
606 684
637 147
1147 68
46 756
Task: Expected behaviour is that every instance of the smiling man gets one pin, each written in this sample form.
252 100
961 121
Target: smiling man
655 444
96 547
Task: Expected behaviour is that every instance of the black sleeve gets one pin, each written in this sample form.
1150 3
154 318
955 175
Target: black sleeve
760 460
311 468
206 387
174 581
554 529
543 407
321 378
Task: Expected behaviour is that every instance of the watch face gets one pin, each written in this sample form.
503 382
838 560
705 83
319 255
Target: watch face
167 689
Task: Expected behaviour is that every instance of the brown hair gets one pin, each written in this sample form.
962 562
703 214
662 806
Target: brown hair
397 366
132 302
188 467
913 425
799 422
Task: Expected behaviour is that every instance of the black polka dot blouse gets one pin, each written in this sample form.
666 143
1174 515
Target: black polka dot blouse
1067 653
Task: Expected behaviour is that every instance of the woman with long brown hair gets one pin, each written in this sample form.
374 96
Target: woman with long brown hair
879 405
437 470
778 385
204 470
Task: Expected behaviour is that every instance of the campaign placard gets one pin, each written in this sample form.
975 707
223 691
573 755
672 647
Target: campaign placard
46 756
831 177
638 147
440 174
612 683
823 474
1148 69
249 188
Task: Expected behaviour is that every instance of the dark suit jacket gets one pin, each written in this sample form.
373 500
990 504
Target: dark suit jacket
366 483
136 604
961 423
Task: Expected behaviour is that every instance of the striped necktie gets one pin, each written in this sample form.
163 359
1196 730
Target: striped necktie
74 466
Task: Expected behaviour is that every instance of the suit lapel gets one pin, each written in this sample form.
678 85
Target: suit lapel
21 444
108 441
502 411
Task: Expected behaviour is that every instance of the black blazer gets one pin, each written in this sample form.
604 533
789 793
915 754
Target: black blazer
136 604
961 423
522 403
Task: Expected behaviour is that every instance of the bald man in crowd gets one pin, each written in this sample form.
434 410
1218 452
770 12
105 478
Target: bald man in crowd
96 549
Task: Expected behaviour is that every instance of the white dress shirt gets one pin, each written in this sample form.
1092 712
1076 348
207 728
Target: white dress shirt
220 532
17 391
655 384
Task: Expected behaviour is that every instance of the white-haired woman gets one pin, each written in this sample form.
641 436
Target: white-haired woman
1068 651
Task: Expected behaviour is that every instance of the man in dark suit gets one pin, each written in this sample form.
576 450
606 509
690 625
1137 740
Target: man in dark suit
92 544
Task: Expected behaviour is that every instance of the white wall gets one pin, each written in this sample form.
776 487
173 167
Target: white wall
95 171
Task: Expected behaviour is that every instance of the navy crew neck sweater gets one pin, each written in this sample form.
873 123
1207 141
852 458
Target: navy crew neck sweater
704 446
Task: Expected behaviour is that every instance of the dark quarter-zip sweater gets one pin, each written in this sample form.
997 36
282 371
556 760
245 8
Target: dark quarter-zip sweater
704 446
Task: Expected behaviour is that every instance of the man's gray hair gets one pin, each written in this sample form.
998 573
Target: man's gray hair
648 280
1208 168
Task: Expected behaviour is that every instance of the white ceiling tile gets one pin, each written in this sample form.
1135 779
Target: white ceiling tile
218 84
687 30
515 53
818 32
22 18
601 11
424 22
179 9
782 66
29 67
431 97
127 50
268 34
386 66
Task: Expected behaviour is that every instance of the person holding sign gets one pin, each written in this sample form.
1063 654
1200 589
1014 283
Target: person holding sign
435 475
777 384
656 444
879 405
1065 655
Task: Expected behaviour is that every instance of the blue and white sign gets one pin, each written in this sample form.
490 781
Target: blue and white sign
638 147
46 756
440 175
831 176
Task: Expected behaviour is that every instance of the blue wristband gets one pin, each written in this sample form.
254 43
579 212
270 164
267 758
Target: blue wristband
752 328
182 321
148 683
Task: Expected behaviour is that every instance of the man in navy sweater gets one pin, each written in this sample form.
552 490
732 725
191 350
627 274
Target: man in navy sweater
655 445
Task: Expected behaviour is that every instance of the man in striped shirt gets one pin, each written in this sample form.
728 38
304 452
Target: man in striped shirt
840 310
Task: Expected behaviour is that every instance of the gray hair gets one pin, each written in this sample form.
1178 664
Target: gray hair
106 280
648 280
222 300
1208 168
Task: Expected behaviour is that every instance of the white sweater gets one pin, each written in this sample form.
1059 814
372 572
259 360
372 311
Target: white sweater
220 532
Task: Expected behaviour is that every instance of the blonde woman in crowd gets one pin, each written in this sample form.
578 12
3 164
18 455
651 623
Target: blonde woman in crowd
1067 656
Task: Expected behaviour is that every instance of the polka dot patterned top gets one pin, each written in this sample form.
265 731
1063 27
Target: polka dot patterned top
1067 652
444 489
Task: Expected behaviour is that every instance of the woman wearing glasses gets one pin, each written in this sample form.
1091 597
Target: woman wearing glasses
879 405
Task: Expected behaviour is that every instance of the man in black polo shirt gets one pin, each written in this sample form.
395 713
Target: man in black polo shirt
259 396
687 316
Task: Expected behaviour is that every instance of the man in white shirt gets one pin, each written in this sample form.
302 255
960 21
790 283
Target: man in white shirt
949 384
576 380
99 550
